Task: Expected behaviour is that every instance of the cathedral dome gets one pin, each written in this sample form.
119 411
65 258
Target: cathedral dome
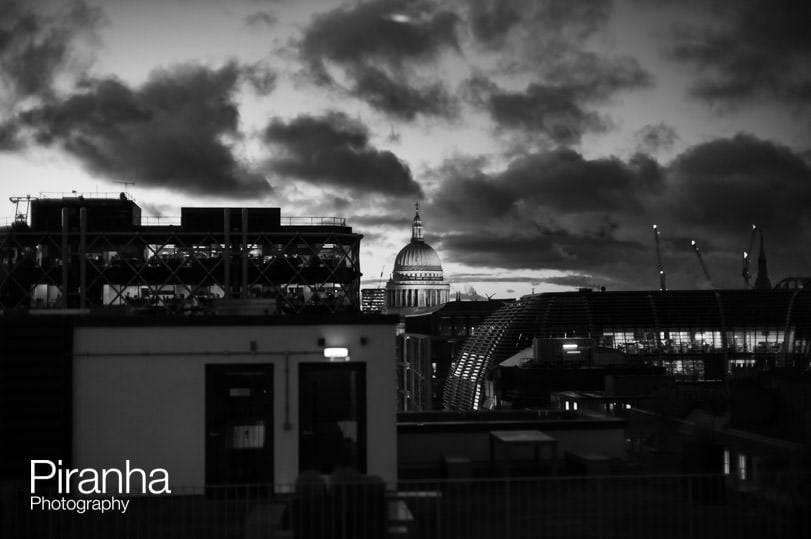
417 260
417 282
417 256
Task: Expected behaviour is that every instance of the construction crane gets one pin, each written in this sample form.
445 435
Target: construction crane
662 285
21 216
701 261
747 256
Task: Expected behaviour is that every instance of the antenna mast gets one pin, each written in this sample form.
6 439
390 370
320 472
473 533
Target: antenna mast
701 261
125 184
747 256
662 285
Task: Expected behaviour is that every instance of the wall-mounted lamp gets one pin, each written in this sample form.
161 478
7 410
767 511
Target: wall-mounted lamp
336 353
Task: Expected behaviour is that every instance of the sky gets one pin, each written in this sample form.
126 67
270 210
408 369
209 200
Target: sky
542 139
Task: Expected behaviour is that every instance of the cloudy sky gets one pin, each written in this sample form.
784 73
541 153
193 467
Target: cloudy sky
541 138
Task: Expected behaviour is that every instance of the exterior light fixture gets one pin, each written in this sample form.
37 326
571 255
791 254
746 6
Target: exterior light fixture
336 353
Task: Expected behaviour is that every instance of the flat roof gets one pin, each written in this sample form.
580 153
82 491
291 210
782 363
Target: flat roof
102 320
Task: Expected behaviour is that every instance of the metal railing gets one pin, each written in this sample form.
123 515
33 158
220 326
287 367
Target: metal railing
691 506
149 220
313 221
175 220
160 220
107 195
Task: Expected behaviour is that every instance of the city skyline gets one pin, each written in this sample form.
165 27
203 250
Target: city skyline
542 139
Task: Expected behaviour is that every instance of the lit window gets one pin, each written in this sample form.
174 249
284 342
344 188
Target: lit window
742 467
726 461
574 405
566 405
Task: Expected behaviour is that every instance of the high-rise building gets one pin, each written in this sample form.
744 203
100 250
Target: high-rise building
372 300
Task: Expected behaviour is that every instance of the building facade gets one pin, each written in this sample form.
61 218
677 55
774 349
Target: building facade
214 400
373 300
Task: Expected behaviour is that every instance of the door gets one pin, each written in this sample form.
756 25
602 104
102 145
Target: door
332 416
239 424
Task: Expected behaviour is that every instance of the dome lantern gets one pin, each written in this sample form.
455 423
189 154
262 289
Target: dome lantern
416 226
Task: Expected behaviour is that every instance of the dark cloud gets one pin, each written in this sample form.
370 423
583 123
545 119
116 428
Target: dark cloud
9 137
545 40
548 249
492 20
261 19
763 51
559 210
594 78
168 133
655 138
36 46
727 184
390 31
561 180
548 21
547 111
561 109
261 78
378 45
400 98
334 150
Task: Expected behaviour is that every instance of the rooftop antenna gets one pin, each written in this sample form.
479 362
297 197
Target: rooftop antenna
701 261
394 136
662 285
762 282
125 184
747 256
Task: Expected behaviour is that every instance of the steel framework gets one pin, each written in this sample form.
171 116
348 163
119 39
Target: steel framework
311 264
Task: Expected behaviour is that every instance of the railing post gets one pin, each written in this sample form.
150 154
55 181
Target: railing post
690 515
65 258
244 289
600 523
507 512
82 258
226 252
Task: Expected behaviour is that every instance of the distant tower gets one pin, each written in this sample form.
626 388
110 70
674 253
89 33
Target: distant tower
417 282
762 282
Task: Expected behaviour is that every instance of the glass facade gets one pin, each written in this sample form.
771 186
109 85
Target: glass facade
693 335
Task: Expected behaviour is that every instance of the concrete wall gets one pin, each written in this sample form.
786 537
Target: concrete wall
139 392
